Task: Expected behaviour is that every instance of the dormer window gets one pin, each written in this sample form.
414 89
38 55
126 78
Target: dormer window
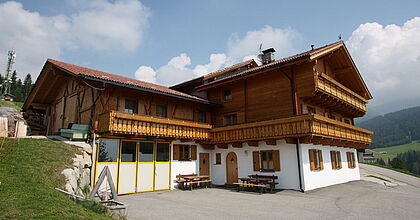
227 95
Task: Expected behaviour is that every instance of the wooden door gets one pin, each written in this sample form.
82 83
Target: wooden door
204 164
231 168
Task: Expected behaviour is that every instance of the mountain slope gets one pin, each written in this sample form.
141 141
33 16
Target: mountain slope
394 128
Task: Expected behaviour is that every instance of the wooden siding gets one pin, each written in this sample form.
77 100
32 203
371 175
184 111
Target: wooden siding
134 124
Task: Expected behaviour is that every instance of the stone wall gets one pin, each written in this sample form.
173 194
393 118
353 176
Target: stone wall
78 177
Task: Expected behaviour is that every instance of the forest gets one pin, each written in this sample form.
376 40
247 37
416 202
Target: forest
20 89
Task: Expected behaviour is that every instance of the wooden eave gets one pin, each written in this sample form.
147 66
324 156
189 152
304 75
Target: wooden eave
353 65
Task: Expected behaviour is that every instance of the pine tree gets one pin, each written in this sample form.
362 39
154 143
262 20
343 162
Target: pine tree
381 162
27 85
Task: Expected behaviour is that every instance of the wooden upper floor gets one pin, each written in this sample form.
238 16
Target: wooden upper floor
322 82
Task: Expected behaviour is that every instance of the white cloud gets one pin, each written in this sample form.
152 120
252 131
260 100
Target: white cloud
239 48
98 24
389 59
248 46
146 73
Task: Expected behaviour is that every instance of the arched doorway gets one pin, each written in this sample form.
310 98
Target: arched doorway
231 168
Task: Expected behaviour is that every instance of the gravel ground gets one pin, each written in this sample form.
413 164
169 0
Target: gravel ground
354 200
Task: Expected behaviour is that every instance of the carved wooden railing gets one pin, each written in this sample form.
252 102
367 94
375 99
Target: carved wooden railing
134 124
298 126
333 88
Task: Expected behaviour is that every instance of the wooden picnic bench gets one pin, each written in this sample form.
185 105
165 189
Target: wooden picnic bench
260 186
270 180
191 180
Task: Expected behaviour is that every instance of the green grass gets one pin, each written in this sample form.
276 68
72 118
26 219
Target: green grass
16 105
377 177
29 172
394 150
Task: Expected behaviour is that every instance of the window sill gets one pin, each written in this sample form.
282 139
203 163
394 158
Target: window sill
268 171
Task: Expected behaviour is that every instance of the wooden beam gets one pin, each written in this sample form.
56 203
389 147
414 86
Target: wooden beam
290 140
222 146
208 146
271 142
237 145
252 143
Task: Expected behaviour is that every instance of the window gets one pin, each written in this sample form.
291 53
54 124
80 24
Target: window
347 121
202 117
146 152
335 160
130 106
162 154
185 152
315 158
266 161
311 110
230 119
351 160
128 151
161 111
108 150
218 158
227 95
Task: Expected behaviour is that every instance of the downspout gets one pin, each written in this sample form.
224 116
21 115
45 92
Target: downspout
295 112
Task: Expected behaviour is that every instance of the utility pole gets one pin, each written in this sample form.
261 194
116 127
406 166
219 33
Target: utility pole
7 80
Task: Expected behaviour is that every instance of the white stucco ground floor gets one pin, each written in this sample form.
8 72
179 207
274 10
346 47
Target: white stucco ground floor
145 164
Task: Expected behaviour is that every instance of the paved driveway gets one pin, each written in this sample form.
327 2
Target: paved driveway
354 200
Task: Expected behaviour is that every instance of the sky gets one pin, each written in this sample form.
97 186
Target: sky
168 42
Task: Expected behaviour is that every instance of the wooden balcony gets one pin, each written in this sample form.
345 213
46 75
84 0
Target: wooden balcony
332 94
311 128
133 124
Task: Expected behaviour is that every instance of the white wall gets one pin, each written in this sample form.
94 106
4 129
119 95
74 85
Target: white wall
288 175
327 176
184 167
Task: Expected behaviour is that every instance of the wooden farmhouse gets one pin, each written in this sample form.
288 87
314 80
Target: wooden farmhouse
292 118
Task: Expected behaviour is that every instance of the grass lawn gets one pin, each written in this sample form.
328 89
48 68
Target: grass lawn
394 150
29 172
16 105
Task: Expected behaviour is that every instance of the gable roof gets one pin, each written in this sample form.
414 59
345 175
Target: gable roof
97 75
310 54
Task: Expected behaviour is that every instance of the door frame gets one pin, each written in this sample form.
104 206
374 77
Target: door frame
207 164
227 165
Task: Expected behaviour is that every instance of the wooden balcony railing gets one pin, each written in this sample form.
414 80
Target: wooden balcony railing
134 124
333 88
298 126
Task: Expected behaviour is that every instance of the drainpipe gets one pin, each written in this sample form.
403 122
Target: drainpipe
295 112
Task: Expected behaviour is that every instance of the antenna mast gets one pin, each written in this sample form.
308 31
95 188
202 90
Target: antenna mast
11 55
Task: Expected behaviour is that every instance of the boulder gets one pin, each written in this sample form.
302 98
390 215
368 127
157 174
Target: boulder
87 160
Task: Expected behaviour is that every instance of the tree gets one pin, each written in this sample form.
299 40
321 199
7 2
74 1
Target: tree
397 163
381 162
27 85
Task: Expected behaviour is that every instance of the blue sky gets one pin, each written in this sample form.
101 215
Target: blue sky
174 40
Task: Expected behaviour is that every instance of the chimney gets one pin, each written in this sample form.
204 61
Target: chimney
267 56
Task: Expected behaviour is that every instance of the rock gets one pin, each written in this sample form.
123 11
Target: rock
78 161
12 116
71 178
69 188
87 150
87 159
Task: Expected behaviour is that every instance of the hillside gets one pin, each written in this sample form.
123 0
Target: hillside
16 105
29 172
400 127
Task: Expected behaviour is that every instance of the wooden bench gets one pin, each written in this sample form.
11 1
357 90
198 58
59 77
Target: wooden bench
77 131
261 186
271 180
181 182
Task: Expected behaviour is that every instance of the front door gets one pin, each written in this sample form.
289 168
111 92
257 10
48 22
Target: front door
231 168
204 164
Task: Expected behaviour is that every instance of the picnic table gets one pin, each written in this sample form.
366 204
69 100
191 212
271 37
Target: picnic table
193 180
261 182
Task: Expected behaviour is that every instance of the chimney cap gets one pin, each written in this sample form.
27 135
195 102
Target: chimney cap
269 50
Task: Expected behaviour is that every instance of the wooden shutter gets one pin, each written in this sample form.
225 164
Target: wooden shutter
276 160
311 158
348 159
339 159
321 161
193 152
176 152
332 159
256 160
